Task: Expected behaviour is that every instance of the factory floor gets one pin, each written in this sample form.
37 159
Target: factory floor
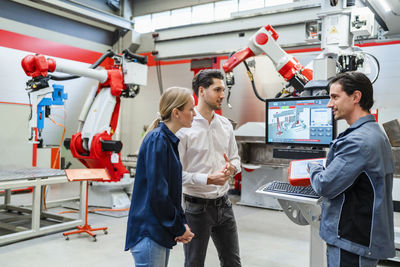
267 238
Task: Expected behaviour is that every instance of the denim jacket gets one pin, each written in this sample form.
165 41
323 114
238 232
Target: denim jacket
356 185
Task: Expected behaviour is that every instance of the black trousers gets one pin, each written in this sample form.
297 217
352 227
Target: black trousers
216 219
338 257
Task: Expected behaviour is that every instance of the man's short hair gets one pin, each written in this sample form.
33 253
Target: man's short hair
352 81
205 78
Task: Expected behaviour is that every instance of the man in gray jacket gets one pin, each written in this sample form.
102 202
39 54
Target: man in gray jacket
356 185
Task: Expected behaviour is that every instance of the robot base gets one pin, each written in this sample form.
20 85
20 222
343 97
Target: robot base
111 195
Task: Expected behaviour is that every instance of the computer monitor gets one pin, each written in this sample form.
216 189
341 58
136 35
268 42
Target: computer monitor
300 121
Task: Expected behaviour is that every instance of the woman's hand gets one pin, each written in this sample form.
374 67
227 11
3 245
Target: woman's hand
186 237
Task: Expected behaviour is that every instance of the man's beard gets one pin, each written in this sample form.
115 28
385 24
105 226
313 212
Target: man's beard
213 106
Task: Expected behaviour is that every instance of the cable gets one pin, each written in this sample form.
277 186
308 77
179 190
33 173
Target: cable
59 146
63 78
30 105
53 165
158 62
59 116
94 210
67 211
159 76
138 58
108 53
252 82
91 211
339 67
378 67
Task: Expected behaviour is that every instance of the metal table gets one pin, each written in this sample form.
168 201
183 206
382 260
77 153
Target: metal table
37 178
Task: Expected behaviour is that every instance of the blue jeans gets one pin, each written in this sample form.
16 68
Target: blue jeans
148 253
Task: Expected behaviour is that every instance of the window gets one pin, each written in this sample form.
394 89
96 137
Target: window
277 2
143 24
250 4
161 20
181 16
223 9
202 13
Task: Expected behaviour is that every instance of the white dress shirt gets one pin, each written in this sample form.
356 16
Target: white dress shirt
201 151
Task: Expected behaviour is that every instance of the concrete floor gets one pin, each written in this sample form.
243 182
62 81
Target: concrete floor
267 238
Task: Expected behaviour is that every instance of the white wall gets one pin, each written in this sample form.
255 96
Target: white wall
14 136
140 111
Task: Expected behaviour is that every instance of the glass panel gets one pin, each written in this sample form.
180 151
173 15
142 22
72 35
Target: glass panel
181 16
224 9
277 2
161 20
203 13
143 24
250 4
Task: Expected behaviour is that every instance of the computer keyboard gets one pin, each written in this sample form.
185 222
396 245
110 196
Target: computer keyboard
286 188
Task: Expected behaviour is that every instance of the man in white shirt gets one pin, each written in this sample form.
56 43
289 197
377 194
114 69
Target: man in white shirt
209 156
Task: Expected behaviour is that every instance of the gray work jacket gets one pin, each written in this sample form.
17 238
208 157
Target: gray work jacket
356 185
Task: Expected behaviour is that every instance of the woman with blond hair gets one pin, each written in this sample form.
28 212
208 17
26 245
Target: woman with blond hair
156 220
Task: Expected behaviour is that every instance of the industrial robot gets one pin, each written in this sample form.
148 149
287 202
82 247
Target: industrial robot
340 23
93 144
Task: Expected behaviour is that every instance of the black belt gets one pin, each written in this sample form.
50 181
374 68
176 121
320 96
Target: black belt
199 200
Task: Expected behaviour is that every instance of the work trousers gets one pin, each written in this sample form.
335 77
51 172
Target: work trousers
338 257
213 218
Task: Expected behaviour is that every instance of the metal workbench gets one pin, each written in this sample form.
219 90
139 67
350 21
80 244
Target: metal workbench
34 214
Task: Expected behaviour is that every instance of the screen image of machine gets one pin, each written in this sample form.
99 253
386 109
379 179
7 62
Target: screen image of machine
302 121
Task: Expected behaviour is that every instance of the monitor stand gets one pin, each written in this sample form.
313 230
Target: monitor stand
297 153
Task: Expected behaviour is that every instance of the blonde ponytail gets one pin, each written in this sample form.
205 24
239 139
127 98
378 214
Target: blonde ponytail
152 126
173 97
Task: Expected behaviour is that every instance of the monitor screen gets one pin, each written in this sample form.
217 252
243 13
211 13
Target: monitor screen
300 121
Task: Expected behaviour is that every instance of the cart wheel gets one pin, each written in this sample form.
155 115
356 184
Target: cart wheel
67 238
94 239
105 232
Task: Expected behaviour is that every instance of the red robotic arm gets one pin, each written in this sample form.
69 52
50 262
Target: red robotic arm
92 145
264 41
38 65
